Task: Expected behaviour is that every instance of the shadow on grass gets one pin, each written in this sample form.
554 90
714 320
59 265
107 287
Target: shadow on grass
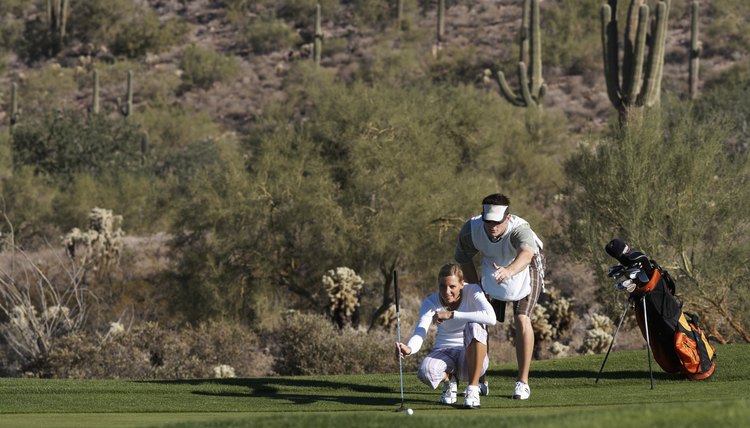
300 391
588 374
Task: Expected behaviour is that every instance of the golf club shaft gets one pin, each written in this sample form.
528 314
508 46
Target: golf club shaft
398 332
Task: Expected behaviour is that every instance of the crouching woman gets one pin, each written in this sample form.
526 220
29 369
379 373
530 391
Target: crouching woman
461 312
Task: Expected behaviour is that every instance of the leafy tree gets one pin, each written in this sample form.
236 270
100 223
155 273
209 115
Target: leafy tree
371 176
728 93
572 37
44 90
66 142
202 67
248 239
671 188
125 27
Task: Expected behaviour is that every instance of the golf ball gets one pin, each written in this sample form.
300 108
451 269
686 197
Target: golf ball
409 412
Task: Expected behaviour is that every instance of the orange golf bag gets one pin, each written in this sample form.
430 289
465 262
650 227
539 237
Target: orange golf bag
677 342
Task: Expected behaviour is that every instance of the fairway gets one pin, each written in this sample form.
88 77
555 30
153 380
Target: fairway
564 394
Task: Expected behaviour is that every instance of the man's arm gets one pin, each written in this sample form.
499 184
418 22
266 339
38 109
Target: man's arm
523 259
470 272
465 251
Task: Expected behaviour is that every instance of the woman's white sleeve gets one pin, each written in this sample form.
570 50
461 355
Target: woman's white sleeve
484 313
420 331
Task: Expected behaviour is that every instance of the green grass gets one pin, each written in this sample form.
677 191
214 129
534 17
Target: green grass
564 394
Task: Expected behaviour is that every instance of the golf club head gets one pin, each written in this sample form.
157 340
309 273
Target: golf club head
616 271
642 276
637 274
627 285
632 273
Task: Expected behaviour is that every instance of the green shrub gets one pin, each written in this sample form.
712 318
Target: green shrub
11 31
146 34
572 35
151 351
181 141
44 90
238 10
125 27
27 199
145 202
202 67
14 7
377 13
728 30
66 142
728 93
669 187
312 345
100 21
401 67
302 12
37 42
457 65
271 35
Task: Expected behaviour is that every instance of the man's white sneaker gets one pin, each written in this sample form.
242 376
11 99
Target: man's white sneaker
471 397
521 391
450 390
484 388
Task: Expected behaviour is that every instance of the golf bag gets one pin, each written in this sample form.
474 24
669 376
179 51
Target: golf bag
676 340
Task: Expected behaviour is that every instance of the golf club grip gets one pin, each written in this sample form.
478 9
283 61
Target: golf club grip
395 287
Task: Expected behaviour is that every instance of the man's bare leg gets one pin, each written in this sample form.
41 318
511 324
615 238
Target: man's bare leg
524 346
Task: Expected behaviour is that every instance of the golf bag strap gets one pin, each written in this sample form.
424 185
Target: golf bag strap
669 282
649 286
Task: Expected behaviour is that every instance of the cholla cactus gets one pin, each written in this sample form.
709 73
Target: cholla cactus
388 318
560 311
597 337
223 371
559 350
343 285
543 330
115 329
551 319
102 243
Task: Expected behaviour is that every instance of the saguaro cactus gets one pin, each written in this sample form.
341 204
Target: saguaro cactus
57 18
695 52
13 106
127 108
440 21
399 14
440 30
95 93
318 46
531 82
640 83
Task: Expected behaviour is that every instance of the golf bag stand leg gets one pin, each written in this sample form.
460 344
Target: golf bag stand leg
648 342
619 324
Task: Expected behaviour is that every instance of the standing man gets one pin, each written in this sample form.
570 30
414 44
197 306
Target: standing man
512 271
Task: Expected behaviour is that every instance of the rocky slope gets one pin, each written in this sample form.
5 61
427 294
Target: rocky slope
489 27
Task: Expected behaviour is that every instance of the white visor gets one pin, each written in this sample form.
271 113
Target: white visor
494 212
